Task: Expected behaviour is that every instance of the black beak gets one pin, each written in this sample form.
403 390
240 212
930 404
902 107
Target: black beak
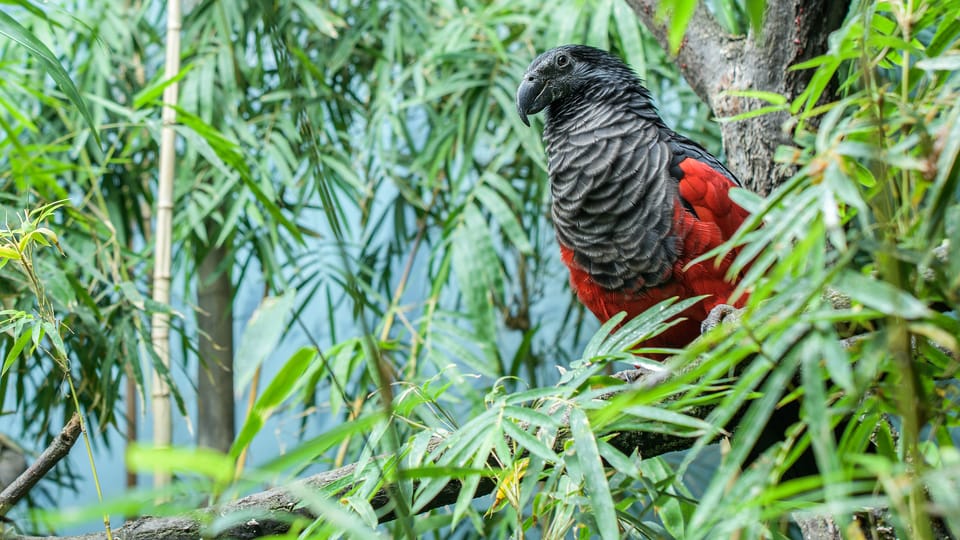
533 96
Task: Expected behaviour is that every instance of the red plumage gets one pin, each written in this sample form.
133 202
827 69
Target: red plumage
717 218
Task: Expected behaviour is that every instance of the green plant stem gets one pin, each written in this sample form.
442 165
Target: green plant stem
908 390
93 463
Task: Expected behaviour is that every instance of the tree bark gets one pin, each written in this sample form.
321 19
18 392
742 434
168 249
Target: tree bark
215 400
56 451
714 62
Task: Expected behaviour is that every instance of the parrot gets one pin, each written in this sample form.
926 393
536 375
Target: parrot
633 201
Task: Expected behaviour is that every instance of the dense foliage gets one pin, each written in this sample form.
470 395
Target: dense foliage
366 166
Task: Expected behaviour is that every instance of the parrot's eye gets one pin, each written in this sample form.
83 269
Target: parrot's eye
562 60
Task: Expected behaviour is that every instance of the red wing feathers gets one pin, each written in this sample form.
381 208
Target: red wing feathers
708 192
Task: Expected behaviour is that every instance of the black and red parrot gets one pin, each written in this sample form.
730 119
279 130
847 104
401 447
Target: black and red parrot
634 202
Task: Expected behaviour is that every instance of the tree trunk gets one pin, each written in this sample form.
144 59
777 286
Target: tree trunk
714 62
215 405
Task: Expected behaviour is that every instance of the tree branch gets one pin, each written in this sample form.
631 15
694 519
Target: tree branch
59 448
706 52
272 511
713 63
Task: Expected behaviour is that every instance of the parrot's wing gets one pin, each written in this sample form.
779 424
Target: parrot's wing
704 186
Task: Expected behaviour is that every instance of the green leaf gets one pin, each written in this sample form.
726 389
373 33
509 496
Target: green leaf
595 344
660 415
595 479
203 461
880 295
480 454
772 98
534 445
13 30
506 217
598 33
290 378
530 416
759 111
755 9
14 352
154 91
480 276
262 334
947 62
631 40
9 253
305 454
680 12
670 509
817 415
324 20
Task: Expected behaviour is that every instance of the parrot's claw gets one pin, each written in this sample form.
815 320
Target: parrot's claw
719 314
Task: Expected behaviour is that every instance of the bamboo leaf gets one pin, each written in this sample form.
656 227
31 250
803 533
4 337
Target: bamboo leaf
204 461
13 30
15 350
880 295
755 9
284 384
679 13
595 479
500 211
631 41
534 445
266 326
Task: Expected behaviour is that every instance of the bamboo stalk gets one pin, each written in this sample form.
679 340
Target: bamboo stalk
160 329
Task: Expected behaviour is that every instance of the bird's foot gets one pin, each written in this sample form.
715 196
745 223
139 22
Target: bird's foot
718 315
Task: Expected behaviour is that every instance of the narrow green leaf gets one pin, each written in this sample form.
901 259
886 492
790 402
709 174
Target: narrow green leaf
759 111
664 416
755 9
947 62
479 273
305 454
531 416
14 352
204 461
534 445
618 461
880 295
506 217
679 12
13 30
772 98
9 253
631 41
262 334
284 384
593 347
154 91
595 479
598 34
469 487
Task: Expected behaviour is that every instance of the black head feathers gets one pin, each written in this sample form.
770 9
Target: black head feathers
572 71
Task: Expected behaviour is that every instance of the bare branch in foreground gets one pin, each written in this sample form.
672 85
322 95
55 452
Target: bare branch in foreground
57 450
272 511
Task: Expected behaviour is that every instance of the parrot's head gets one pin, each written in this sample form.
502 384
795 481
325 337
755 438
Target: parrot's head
570 71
